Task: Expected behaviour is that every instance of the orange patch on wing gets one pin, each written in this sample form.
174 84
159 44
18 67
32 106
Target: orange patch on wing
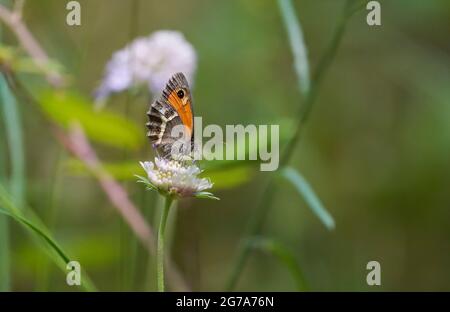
183 110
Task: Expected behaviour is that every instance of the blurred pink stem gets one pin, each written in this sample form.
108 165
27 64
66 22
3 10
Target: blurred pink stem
81 148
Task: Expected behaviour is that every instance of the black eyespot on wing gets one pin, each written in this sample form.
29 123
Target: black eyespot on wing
180 94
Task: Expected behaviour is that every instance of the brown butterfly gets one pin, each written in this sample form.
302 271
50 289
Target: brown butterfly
172 109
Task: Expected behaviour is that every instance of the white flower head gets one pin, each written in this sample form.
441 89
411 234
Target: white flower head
149 61
177 178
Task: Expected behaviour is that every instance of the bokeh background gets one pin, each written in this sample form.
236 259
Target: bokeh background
376 148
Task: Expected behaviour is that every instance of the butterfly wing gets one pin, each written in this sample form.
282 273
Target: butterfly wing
172 109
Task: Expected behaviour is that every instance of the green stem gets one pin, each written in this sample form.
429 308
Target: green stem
257 220
160 247
150 214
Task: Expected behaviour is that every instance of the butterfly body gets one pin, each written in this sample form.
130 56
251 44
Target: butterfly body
172 109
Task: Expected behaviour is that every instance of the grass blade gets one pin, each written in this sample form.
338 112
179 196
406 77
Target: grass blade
310 197
13 131
40 233
15 141
297 43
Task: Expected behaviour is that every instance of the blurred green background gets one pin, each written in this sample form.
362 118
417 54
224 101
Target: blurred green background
376 148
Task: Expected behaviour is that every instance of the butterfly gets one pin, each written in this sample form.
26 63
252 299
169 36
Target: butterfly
170 113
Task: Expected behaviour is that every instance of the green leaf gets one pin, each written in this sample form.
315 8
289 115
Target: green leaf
104 127
207 195
40 233
310 197
146 182
284 256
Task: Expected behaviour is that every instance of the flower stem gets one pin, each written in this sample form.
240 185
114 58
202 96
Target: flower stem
160 248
